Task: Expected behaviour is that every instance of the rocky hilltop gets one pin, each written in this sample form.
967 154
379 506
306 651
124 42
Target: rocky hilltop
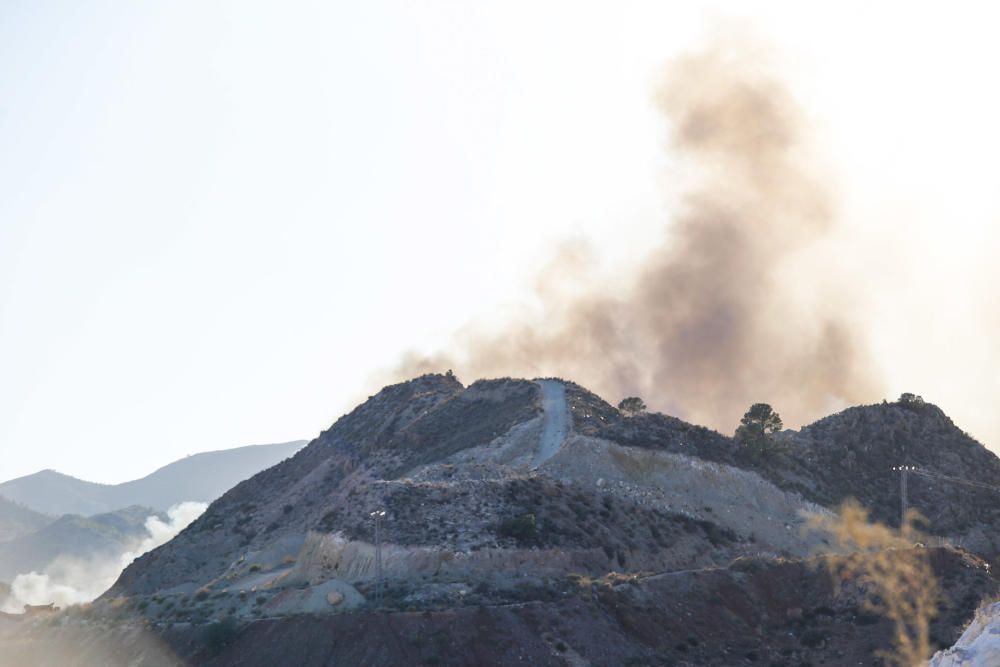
478 482
852 454
532 521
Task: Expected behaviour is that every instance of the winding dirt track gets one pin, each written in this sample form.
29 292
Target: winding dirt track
555 424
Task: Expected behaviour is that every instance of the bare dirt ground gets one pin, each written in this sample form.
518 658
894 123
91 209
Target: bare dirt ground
755 612
556 424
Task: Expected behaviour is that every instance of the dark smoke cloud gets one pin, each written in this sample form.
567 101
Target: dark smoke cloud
710 320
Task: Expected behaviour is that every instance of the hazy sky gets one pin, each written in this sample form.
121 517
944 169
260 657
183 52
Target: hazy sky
218 220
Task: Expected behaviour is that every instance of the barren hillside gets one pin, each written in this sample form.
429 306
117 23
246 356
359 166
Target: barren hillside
535 511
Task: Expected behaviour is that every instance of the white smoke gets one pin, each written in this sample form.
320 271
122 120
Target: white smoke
69 580
161 532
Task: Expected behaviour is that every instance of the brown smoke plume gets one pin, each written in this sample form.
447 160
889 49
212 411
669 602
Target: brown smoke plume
711 320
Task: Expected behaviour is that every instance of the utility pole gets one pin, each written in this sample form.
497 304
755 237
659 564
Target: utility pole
378 515
903 504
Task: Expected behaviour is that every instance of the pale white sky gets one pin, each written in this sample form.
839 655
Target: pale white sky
217 220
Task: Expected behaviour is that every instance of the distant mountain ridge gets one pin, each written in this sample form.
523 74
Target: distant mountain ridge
200 477
17 520
100 536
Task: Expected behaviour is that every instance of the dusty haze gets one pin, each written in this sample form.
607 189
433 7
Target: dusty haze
720 314
70 580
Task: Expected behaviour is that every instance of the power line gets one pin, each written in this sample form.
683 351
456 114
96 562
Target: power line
903 470
906 470
917 470
957 480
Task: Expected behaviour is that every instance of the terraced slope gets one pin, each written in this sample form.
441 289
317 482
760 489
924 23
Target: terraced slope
510 495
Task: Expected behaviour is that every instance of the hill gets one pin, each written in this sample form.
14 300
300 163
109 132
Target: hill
851 454
201 477
17 520
452 464
102 536
530 521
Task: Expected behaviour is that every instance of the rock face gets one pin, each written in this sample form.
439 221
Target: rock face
642 539
979 645
455 469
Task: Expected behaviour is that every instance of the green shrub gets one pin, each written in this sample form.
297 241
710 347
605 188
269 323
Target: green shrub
521 528
220 634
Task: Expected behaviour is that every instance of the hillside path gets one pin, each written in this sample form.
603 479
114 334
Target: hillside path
555 423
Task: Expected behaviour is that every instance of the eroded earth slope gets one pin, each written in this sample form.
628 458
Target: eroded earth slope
531 521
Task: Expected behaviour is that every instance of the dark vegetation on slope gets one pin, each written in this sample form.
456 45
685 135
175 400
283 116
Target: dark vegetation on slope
591 414
570 516
484 411
530 512
850 455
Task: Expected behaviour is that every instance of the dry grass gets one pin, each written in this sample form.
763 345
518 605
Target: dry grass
638 464
893 570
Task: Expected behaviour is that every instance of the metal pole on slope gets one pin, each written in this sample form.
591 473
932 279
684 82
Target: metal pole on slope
903 501
902 496
377 515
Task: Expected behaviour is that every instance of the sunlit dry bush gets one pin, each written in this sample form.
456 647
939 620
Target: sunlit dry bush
893 570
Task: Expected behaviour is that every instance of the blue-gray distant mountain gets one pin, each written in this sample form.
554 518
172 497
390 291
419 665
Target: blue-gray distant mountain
200 477
17 520
103 536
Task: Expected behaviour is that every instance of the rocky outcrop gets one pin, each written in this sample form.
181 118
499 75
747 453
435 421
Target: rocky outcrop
979 645
771 519
339 478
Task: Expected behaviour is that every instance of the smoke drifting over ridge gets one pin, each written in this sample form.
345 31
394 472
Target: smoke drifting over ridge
720 314
70 580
